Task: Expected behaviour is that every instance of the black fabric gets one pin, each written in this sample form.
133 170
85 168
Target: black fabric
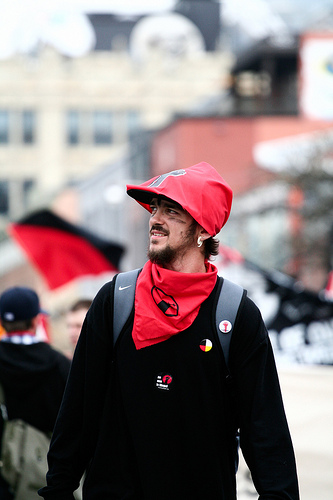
5 493
159 423
33 378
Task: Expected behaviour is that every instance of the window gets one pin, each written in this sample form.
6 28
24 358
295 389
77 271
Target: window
28 127
27 187
14 196
133 122
73 127
17 126
4 127
97 127
102 127
4 197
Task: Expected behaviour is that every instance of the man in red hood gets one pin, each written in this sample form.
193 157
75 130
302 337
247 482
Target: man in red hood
155 418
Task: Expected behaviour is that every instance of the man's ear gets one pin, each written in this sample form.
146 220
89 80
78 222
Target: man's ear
34 323
203 234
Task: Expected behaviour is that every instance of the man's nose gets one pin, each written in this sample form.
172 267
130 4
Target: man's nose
157 216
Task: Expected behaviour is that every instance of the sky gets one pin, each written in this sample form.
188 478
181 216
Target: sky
53 22
116 6
127 6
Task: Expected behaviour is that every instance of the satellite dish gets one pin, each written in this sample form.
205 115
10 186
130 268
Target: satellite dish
170 35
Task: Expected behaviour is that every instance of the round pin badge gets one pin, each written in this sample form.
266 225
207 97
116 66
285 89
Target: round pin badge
225 326
206 345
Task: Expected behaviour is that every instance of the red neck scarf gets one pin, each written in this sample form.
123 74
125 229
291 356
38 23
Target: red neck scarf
167 302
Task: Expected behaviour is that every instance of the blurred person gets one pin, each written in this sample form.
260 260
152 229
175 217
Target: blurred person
153 418
74 321
32 374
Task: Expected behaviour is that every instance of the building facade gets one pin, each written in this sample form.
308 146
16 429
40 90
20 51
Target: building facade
63 118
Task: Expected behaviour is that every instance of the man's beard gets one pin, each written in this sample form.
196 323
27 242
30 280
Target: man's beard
164 256
168 254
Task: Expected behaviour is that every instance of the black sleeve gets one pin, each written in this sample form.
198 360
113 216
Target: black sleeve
76 427
264 434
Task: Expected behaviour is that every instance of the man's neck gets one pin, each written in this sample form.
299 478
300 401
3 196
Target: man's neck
187 265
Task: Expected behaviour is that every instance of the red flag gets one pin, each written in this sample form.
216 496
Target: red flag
328 292
62 251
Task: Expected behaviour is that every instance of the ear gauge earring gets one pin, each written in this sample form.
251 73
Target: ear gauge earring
199 242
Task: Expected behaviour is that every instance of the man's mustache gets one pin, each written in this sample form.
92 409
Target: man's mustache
156 227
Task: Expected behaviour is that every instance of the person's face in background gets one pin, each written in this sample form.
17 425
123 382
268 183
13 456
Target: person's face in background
74 321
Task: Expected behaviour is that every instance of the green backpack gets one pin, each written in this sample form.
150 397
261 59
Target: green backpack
23 455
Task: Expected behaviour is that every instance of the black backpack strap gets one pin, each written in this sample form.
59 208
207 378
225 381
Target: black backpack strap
124 292
227 307
228 303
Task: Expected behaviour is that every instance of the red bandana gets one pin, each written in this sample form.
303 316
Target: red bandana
167 302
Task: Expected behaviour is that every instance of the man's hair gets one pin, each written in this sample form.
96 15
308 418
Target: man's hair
211 247
17 326
80 304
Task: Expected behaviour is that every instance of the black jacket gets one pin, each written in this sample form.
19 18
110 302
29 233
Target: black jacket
159 423
33 378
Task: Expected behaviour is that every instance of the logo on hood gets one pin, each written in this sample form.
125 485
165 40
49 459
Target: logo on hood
175 173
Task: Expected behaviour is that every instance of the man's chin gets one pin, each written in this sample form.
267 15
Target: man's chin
161 256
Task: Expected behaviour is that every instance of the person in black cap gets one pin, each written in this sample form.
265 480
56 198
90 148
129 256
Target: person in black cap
32 374
154 417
